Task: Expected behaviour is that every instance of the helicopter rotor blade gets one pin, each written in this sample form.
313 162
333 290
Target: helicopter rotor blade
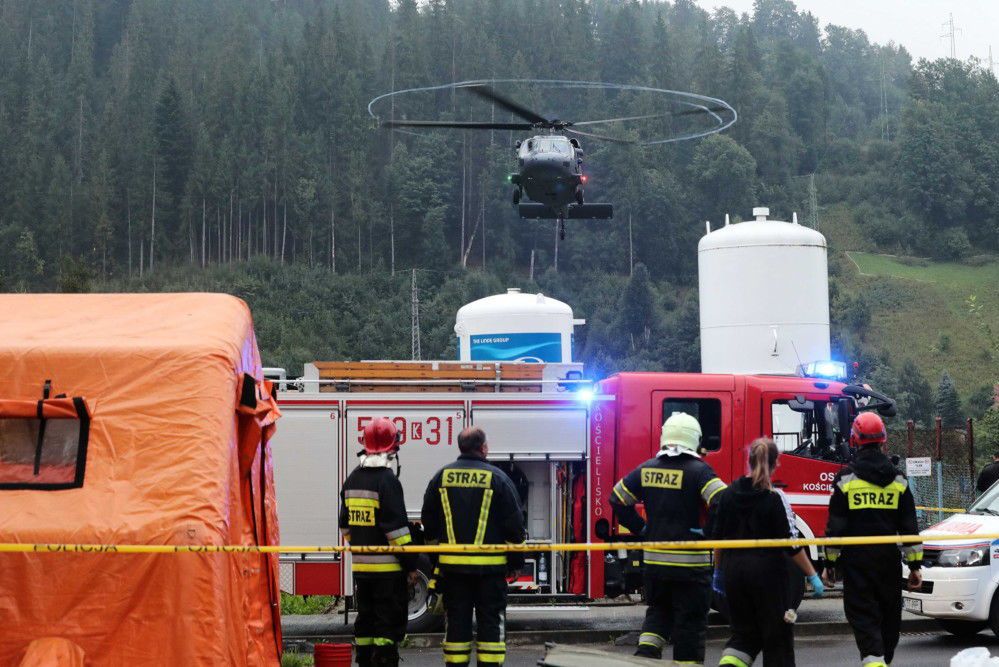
488 93
713 111
462 125
602 137
622 119
686 112
700 110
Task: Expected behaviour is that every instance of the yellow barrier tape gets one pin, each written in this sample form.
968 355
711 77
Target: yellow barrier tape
951 510
486 548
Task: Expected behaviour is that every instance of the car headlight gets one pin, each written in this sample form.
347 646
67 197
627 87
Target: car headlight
964 557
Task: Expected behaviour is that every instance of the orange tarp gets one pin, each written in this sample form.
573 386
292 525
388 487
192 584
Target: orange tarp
49 652
177 454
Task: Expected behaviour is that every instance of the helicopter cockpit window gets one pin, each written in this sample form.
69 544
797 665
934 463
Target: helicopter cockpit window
813 433
552 145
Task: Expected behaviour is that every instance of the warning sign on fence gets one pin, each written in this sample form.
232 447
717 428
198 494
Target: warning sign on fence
918 466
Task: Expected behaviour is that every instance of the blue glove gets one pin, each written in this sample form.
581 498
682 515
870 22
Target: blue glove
718 582
817 587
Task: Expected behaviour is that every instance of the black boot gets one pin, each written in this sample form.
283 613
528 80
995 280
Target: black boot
649 652
386 656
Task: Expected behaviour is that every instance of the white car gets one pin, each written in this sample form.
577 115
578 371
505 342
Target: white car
960 577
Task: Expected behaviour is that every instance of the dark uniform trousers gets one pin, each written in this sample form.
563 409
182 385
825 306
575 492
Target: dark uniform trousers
675 491
871 497
678 609
382 614
756 589
485 595
473 502
872 600
373 513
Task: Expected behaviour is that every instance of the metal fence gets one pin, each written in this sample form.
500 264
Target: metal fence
950 483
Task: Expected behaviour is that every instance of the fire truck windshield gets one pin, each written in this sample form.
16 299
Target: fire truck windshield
707 411
812 433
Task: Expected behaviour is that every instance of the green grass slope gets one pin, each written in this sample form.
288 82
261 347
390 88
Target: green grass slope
919 309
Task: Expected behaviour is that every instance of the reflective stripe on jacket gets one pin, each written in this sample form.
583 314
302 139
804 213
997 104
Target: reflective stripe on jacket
471 501
872 497
675 490
373 513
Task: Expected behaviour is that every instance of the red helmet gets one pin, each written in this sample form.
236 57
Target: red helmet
380 436
868 429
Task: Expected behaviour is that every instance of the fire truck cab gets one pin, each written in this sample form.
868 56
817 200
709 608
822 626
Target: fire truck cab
808 417
564 443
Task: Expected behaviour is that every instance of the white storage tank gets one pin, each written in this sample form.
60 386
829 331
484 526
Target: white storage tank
764 297
515 327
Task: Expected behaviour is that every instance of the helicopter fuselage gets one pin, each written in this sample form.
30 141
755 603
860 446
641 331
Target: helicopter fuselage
551 171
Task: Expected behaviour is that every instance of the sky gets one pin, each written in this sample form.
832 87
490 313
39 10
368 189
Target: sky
915 24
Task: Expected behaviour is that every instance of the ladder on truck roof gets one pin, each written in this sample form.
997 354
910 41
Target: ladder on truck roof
440 376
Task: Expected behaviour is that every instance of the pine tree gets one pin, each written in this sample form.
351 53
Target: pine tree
173 158
101 192
948 403
915 395
20 263
622 58
987 431
724 174
662 67
637 308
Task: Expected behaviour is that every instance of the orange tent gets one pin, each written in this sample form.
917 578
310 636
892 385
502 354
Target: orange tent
136 419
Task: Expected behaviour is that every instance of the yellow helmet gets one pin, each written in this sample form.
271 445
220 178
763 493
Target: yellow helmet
681 435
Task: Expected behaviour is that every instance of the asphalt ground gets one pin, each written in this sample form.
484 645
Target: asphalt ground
594 623
929 649
822 637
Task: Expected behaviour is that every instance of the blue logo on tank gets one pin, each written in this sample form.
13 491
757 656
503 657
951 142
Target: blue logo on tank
529 347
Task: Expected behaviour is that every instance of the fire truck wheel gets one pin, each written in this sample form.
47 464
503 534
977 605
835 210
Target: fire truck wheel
421 619
963 629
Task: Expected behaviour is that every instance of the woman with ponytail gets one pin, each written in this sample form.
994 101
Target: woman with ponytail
755 582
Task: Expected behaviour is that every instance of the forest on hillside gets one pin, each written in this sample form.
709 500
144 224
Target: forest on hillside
183 144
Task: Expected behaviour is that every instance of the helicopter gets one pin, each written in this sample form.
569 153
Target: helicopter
550 164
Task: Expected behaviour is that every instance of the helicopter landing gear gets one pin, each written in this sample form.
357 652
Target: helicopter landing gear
579 196
561 228
517 194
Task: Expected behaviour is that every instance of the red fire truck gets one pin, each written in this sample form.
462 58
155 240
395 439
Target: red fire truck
565 443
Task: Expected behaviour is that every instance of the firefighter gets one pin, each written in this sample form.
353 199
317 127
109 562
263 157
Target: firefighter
675 486
871 497
989 474
757 582
472 502
373 512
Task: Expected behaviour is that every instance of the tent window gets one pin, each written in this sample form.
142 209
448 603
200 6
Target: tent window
47 453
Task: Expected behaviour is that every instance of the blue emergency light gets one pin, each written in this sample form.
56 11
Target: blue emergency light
827 370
